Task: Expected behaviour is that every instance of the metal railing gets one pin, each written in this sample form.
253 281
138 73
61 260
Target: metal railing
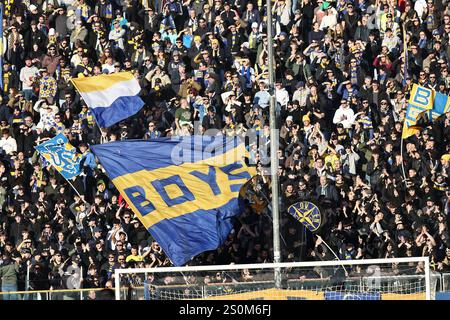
66 294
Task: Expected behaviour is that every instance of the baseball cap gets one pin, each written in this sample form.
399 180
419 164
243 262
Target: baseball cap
300 84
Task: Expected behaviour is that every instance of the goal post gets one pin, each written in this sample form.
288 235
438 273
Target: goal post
369 279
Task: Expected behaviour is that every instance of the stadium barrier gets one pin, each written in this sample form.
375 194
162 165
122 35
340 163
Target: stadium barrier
371 279
303 290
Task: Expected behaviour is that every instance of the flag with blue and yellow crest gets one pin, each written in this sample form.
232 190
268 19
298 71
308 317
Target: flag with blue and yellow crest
308 214
61 155
184 190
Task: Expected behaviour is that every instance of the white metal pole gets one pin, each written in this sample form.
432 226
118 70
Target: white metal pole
427 278
273 147
117 283
81 282
27 281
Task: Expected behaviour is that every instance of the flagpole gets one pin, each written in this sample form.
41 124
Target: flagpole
273 148
403 161
405 55
405 72
334 253
73 187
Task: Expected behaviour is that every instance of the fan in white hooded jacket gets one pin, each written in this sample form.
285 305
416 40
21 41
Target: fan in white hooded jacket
344 115
47 112
8 143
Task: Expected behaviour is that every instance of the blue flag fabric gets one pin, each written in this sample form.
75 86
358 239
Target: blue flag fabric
61 155
184 190
441 105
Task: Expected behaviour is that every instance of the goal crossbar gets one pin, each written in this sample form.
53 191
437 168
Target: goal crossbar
274 266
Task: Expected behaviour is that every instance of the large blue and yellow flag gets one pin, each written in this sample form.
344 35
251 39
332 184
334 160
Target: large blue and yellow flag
61 155
185 190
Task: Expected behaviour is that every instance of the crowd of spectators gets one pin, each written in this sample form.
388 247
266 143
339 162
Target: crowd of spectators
342 87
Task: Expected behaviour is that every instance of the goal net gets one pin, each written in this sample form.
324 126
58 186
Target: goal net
376 279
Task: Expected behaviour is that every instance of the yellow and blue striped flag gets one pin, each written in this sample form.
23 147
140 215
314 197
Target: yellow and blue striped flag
184 190
421 99
61 155
111 97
